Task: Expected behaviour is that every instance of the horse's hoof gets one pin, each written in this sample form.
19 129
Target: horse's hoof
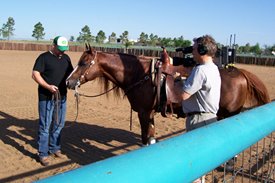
151 141
229 168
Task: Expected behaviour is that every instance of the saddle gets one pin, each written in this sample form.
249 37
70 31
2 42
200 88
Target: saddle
172 75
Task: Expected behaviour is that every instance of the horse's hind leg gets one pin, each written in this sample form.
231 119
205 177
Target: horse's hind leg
147 128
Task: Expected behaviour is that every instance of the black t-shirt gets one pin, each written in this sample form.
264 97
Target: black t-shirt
54 71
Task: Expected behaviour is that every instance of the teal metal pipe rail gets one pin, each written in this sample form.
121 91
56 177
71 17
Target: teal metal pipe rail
180 159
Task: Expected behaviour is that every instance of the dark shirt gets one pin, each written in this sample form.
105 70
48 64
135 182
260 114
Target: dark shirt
54 71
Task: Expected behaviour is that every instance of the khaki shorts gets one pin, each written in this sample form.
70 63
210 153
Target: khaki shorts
199 120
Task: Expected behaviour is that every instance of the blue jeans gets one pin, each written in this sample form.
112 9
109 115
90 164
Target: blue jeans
49 126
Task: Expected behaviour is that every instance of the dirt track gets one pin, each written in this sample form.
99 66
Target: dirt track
102 128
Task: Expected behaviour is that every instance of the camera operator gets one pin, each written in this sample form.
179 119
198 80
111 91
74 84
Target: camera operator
201 90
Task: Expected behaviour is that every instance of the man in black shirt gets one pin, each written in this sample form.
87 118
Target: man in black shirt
50 71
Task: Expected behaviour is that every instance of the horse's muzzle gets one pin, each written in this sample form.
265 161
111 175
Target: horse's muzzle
72 84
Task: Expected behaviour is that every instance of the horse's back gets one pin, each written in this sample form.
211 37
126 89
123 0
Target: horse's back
233 92
240 90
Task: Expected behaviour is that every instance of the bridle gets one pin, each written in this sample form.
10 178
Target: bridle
92 62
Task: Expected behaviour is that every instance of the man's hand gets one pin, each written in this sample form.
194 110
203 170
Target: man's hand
52 88
38 78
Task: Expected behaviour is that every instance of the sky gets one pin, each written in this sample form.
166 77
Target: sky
252 21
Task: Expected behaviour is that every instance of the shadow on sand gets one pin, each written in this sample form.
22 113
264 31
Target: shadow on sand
81 142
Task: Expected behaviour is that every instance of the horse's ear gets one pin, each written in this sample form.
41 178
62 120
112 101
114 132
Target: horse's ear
91 50
165 57
164 50
86 45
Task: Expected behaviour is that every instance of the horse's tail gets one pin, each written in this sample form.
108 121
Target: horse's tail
258 93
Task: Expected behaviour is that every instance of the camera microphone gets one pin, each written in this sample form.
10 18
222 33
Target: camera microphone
185 50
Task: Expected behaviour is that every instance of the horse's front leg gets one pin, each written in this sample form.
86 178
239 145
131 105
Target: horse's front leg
147 127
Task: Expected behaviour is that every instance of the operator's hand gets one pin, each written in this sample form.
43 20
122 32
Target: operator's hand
176 75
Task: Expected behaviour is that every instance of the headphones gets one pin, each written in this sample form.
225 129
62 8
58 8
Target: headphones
202 49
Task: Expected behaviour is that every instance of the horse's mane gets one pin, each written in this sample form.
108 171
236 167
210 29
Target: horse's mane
256 88
127 55
107 85
120 54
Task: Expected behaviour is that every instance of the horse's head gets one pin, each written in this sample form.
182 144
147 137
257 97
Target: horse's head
87 64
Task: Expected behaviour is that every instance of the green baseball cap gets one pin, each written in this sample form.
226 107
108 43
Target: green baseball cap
61 42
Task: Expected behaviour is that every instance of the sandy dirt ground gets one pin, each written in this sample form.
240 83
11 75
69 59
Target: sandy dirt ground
101 131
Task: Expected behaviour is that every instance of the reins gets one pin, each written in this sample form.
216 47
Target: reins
147 77
77 95
126 91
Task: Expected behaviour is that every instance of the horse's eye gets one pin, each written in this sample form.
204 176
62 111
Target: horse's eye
82 63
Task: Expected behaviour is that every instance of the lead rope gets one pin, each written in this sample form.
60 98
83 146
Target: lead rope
56 97
76 95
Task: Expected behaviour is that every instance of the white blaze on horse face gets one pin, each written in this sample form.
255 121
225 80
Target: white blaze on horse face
72 73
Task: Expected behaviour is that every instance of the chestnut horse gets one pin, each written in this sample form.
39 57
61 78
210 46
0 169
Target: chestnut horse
136 77
240 89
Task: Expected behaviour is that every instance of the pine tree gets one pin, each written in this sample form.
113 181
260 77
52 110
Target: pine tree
8 28
85 35
38 32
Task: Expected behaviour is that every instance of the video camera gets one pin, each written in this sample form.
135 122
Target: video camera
185 50
187 60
